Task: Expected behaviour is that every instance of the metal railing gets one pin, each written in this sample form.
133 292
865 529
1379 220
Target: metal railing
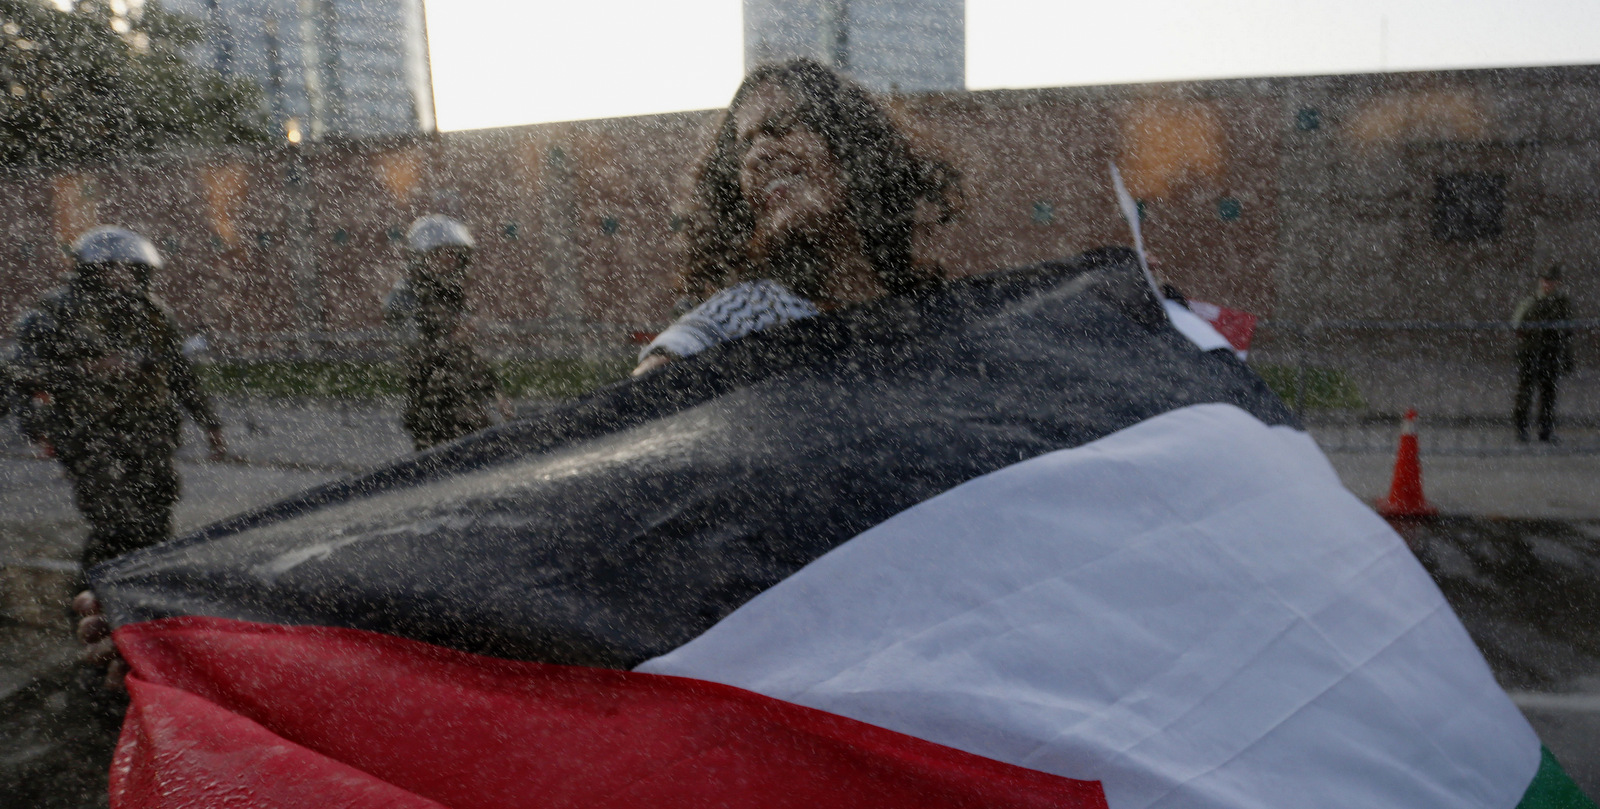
503 338
1352 380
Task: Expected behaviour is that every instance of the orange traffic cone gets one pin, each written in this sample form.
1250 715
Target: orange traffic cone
1405 492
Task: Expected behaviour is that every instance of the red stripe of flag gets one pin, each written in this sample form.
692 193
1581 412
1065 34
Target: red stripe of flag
234 713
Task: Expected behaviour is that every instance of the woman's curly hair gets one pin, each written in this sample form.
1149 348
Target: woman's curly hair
885 181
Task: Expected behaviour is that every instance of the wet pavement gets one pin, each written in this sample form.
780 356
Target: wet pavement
1520 564
1528 487
56 740
1446 440
57 727
1528 591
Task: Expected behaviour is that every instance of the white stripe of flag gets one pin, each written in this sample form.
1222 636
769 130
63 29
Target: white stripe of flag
1192 610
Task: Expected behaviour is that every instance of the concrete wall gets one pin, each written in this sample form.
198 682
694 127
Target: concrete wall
1357 193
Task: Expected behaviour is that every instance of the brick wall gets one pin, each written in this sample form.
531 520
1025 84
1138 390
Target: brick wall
1300 197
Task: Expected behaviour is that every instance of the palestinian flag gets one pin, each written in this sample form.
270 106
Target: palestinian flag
1013 543
1237 326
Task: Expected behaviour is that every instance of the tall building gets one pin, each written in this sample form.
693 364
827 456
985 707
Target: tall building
887 45
342 68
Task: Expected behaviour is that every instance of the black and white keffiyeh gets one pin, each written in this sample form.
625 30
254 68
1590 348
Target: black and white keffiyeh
728 315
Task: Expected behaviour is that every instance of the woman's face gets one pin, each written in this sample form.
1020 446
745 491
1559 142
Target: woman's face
793 185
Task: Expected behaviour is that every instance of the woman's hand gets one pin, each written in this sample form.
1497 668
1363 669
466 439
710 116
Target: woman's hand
650 363
95 633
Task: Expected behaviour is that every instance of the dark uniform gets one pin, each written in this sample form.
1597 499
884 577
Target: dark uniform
101 377
1543 356
449 389
448 392
8 389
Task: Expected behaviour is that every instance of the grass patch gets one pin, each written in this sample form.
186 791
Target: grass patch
541 379
303 378
1325 388
559 379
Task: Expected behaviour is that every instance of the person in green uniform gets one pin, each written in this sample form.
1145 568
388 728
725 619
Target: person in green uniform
1544 355
7 389
102 378
450 390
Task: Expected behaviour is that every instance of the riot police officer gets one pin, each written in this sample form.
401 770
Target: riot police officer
1544 353
101 378
449 388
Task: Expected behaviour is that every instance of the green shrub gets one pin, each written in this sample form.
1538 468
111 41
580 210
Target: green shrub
559 379
1325 388
539 379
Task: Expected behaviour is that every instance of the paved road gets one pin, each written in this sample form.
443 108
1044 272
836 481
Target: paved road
56 733
1527 487
1528 591
1521 566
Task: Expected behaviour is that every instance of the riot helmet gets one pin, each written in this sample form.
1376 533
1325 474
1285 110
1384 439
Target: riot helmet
436 231
440 248
105 246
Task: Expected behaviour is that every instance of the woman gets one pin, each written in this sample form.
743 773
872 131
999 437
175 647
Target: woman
806 202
